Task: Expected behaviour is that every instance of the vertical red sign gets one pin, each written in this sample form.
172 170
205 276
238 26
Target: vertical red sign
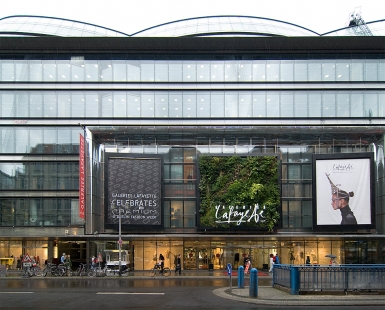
82 179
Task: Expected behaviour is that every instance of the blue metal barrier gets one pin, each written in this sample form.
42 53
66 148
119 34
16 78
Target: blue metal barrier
330 278
241 277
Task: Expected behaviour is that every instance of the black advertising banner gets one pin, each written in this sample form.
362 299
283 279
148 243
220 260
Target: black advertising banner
134 191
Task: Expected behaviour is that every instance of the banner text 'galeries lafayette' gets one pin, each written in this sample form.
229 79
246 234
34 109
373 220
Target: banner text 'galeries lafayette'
238 215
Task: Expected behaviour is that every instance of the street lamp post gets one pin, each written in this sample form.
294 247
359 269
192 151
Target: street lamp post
120 242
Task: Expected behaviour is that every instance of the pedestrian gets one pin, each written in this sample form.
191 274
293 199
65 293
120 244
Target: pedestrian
277 259
63 258
93 261
271 263
178 266
307 260
68 262
161 261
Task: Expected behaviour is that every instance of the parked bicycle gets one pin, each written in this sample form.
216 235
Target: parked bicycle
158 270
30 271
55 270
96 271
114 270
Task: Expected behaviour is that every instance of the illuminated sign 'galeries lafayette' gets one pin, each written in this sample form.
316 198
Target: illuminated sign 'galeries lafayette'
238 215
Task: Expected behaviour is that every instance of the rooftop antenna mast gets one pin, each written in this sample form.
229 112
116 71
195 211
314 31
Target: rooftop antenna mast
357 24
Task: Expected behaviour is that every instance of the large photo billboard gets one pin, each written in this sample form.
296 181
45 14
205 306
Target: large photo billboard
343 191
134 191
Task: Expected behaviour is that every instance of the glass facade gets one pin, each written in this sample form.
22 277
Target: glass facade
181 106
369 68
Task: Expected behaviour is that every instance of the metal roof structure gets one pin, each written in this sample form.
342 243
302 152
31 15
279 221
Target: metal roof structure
207 26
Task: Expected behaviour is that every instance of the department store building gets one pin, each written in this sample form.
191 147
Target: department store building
99 127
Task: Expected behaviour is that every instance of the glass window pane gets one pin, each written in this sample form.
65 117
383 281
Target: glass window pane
175 71
217 104
64 104
7 70
133 70
231 104
147 68
314 105
35 71
147 104
189 104
106 106
300 70
105 70
78 70
287 70
231 71
217 71
357 70
63 70
49 71
203 104
92 70
22 143
300 104
314 68
175 104
343 70
357 105
161 104
119 70
328 70
272 70
161 71
259 104
21 70
92 104
203 71
7 104
272 104
50 104
35 104
259 70
329 105
371 70
77 104
245 69
133 104
22 104
245 105
189 71
120 104
343 104
371 109
287 104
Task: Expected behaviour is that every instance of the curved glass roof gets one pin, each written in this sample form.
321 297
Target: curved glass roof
33 26
208 26
225 26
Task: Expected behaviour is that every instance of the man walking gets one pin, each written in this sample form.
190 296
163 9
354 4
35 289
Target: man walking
178 266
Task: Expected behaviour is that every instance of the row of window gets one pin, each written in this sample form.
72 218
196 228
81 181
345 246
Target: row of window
79 70
39 212
39 175
192 104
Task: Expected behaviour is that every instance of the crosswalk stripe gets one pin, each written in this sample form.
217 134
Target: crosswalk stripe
123 293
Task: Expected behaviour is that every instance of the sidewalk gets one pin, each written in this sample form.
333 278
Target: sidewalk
268 295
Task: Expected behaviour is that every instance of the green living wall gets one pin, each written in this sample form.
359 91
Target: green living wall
239 191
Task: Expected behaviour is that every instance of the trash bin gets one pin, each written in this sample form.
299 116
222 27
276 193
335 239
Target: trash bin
265 266
211 267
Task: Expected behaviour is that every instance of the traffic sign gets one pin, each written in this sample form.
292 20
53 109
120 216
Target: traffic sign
229 269
27 259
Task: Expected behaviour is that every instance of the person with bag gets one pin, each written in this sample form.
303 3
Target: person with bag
178 266
161 261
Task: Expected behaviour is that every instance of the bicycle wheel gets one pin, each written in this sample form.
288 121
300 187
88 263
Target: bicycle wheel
91 273
125 273
152 272
109 272
44 272
166 271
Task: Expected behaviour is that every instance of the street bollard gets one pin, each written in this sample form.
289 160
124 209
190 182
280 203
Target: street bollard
253 289
241 277
294 280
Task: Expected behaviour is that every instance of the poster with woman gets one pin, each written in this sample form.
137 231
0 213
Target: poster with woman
343 190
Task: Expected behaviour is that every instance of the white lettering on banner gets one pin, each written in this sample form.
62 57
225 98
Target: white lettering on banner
232 214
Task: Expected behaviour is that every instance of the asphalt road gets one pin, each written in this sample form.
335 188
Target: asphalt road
122 293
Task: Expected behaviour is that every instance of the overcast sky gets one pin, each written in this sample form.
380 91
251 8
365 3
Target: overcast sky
130 16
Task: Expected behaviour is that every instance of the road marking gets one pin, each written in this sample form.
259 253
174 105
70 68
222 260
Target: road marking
17 292
122 293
